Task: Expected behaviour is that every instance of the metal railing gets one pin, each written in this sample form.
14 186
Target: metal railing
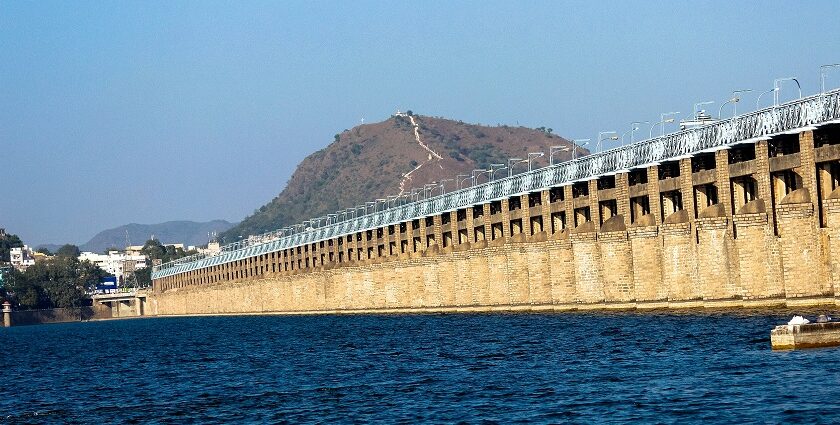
792 116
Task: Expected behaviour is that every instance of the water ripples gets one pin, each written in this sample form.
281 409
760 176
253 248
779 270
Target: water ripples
499 368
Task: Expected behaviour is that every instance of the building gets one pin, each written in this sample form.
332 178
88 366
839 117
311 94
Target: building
22 257
119 264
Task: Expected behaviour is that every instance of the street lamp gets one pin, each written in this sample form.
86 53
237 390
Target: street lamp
532 155
737 97
601 138
776 85
494 168
383 201
427 189
578 145
442 183
460 180
633 127
774 89
698 104
661 124
823 71
512 162
475 175
663 120
554 149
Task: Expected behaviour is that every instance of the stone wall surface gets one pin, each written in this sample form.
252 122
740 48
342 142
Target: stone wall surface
712 262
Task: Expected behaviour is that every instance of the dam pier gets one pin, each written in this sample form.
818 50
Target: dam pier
736 213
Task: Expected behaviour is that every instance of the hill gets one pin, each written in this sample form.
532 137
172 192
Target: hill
388 158
186 232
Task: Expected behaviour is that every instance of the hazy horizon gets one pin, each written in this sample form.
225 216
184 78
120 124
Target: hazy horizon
160 111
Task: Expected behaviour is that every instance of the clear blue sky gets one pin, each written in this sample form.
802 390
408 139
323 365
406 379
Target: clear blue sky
119 112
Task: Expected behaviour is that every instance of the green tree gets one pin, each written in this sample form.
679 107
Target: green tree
154 250
7 242
44 250
144 277
68 250
62 282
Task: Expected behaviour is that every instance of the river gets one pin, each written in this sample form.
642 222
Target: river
493 368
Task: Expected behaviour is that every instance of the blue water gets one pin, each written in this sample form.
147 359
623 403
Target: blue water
503 368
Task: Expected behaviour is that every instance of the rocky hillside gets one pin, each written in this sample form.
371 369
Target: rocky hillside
375 160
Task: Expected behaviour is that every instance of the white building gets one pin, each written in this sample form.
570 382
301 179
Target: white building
116 263
22 257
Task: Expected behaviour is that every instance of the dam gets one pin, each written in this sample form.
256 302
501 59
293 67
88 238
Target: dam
739 212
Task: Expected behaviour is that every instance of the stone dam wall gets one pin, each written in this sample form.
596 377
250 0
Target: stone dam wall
755 224
666 266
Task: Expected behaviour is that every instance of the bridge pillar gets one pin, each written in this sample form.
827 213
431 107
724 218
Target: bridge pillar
762 178
470 225
687 189
488 223
723 181
569 206
594 206
808 169
622 195
505 218
524 202
545 203
438 230
654 200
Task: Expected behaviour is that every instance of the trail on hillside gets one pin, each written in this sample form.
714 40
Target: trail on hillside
432 154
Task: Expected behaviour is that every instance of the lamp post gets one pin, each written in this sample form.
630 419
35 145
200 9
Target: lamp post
478 172
427 188
494 168
442 182
823 71
663 120
578 145
737 97
633 127
554 149
462 178
534 155
512 162
774 89
661 124
777 86
699 104
378 201
601 138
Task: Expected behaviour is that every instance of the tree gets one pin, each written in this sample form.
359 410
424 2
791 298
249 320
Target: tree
44 250
154 250
7 242
60 282
68 250
144 277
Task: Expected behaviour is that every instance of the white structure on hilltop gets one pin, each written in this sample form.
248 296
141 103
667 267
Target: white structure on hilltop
22 257
116 263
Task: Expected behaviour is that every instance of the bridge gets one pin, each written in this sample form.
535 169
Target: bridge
737 212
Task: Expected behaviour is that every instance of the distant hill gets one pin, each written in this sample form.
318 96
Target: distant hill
375 160
186 232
